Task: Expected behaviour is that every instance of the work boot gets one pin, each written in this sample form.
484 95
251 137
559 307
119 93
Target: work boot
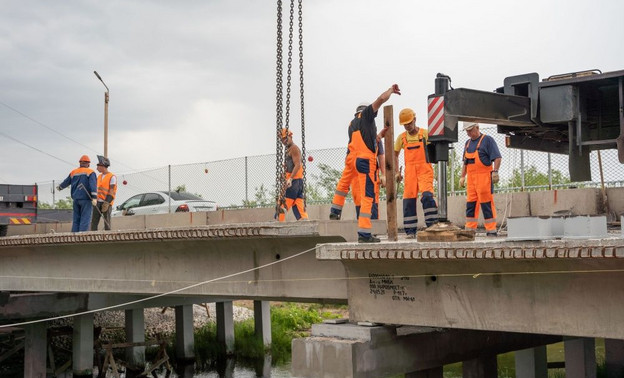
410 236
368 239
333 216
491 233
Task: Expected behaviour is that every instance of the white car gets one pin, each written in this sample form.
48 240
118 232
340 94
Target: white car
158 203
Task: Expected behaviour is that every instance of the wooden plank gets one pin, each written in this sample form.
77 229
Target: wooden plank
444 232
391 208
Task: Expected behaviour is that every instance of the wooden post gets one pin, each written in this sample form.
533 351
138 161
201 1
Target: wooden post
391 207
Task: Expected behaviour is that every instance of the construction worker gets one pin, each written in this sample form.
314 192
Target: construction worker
418 173
294 179
106 191
479 174
83 183
361 162
381 173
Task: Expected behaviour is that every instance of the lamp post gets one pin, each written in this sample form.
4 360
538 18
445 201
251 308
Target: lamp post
105 115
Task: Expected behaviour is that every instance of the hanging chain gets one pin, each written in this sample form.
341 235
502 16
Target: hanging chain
289 70
279 97
303 149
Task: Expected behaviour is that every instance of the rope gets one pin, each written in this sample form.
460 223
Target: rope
158 295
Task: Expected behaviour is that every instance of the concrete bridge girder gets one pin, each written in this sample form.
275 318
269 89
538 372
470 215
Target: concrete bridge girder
158 264
563 287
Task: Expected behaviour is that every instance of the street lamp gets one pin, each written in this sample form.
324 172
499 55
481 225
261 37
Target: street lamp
105 115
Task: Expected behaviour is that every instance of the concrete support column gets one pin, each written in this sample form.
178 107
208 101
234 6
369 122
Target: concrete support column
225 325
35 349
135 333
82 346
580 358
185 342
262 321
482 367
532 363
429 373
614 357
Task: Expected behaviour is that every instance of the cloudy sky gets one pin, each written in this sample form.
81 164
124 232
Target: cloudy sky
194 81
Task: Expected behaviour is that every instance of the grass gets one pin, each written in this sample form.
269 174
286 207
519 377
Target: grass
555 352
288 321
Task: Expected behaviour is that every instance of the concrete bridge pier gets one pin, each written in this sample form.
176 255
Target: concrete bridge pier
225 325
436 372
82 346
614 357
262 321
135 333
580 357
184 343
532 363
350 350
481 367
35 349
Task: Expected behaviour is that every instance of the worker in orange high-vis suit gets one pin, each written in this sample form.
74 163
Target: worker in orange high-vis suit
293 195
381 172
83 183
418 173
479 173
361 161
106 191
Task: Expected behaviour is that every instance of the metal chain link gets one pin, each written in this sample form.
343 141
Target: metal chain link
289 69
303 149
279 97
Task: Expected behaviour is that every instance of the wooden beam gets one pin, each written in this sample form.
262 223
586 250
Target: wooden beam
390 174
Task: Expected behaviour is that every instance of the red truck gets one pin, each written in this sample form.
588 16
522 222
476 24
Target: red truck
18 205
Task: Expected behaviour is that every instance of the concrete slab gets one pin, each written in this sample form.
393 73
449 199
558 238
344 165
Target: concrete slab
541 287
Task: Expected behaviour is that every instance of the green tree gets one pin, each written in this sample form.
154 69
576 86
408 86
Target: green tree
324 185
533 177
66 203
262 197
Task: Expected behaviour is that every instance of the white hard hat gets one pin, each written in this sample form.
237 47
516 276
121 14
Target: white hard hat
361 106
469 125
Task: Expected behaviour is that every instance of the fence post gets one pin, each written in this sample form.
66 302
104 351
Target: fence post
246 182
522 170
169 193
549 173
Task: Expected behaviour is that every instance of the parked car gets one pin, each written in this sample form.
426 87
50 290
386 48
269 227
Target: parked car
158 203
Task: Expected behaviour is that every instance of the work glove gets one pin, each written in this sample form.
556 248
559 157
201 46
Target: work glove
105 206
399 176
495 177
289 182
94 202
382 181
58 188
462 181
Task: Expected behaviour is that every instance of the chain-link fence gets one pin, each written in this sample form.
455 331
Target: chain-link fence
250 181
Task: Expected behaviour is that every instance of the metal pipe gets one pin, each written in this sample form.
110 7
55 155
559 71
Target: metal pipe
442 200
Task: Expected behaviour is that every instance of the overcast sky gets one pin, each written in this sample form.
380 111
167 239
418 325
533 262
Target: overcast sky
194 81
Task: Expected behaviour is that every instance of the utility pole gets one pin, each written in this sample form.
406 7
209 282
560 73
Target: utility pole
105 115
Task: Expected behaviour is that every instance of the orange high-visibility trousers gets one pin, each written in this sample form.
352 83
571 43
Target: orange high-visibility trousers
294 199
479 191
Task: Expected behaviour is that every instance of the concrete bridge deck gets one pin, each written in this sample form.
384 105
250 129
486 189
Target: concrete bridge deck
556 287
262 261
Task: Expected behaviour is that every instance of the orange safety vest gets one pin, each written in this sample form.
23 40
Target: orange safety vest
476 166
415 152
290 165
104 187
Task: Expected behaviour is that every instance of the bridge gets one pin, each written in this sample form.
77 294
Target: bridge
413 306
